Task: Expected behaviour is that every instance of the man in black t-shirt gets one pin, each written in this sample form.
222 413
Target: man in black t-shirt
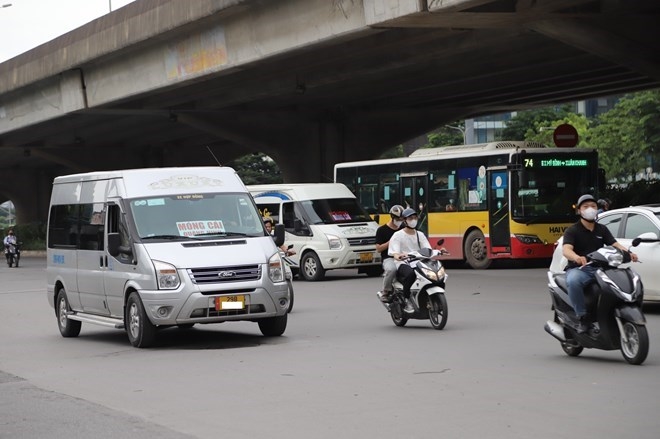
383 235
580 239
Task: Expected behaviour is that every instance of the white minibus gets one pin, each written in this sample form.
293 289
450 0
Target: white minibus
144 249
325 224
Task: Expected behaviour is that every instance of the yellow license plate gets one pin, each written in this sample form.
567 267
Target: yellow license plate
366 257
229 302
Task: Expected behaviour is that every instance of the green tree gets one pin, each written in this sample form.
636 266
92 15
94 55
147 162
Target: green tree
525 124
257 168
543 130
627 136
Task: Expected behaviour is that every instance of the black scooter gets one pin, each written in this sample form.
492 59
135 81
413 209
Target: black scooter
13 254
614 309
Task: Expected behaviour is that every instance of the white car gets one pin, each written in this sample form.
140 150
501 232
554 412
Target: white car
627 224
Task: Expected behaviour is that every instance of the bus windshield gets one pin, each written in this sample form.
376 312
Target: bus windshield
334 211
548 186
196 216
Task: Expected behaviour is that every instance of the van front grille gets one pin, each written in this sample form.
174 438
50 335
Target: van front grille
369 240
225 274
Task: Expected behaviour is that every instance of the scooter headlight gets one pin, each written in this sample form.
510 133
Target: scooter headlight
430 274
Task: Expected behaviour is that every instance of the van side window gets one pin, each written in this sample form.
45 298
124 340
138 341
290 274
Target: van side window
63 226
92 220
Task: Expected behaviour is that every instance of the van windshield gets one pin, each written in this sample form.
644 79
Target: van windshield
196 216
335 211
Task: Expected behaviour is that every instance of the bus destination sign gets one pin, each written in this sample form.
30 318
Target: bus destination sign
537 162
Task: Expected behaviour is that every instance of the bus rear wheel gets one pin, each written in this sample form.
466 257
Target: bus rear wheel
475 251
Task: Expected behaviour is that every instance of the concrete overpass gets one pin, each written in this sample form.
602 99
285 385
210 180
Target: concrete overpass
309 82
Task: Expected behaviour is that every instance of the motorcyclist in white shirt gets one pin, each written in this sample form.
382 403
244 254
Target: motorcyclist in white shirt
404 241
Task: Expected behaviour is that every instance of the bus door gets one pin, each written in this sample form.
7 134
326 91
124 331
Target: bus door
414 194
498 210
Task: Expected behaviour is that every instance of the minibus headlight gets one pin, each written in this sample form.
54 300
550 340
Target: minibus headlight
276 268
168 277
333 242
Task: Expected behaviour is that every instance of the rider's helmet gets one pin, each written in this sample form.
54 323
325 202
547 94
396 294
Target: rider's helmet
408 212
396 211
583 199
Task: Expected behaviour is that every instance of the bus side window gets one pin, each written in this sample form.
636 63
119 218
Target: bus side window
442 190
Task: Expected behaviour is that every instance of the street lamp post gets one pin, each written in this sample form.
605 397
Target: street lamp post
462 130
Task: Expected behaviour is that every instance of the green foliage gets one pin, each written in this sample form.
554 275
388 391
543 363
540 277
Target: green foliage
628 135
526 124
446 136
543 130
394 152
257 168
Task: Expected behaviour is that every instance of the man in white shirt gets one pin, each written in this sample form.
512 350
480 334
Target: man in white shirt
404 241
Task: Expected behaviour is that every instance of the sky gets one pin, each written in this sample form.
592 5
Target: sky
29 23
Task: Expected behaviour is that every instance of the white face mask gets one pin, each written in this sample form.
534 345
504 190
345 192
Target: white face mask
396 223
411 223
589 214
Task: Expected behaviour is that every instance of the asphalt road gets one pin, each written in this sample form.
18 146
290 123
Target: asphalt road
342 369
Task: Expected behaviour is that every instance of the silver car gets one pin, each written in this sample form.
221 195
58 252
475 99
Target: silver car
627 224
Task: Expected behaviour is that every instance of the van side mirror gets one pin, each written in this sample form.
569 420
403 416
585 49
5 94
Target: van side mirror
115 248
278 235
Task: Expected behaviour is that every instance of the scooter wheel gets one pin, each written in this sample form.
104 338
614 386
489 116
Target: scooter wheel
396 312
636 348
438 311
571 349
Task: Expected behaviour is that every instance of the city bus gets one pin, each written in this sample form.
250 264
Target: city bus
498 200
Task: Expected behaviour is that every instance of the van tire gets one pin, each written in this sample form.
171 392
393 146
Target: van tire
311 268
289 284
273 326
141 332
475 251
68 327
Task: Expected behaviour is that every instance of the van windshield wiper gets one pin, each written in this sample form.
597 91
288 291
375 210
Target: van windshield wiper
221 234
171 237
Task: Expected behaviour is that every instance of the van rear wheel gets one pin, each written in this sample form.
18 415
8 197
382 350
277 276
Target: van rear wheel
68 327
141 332
311 268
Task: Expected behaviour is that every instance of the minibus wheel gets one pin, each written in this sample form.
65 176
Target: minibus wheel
311 268
68 327
141 332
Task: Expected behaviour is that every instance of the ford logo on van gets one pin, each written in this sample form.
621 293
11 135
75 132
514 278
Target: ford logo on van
227 274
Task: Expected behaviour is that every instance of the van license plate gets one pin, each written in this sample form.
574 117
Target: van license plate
366 257
229 302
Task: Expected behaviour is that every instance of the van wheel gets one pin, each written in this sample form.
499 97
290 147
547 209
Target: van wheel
311 268
141 332
68 327
273 326
289 283
475 251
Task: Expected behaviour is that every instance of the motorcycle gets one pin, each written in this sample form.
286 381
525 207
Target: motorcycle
289 266
427 294
13 254
614 309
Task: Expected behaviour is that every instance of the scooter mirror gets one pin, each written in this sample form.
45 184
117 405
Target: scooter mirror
440 242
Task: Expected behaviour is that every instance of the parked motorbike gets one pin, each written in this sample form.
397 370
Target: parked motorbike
427 294
289 266
614 309
13 254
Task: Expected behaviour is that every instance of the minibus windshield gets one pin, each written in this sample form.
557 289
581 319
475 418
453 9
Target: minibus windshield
203 215
335 211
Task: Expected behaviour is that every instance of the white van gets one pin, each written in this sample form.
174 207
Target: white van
325 224
150 248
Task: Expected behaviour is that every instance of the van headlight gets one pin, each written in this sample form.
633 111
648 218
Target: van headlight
333 242
168 277
276 268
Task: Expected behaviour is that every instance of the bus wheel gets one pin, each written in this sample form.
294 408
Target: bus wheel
475 251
